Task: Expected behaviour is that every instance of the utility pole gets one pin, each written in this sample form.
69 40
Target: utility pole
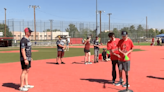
5 21
96 18
34 6
51 28
100 21
146 27
13 27
109 20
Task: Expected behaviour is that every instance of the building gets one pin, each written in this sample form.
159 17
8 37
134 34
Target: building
40 35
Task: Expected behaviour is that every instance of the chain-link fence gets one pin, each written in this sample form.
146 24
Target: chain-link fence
47 31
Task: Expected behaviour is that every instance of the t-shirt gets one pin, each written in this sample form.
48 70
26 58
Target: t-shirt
153 40
87 45
125 46
104 54
60 42
112 45
96 42
25 43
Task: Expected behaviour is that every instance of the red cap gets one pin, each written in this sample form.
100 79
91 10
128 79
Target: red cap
27 30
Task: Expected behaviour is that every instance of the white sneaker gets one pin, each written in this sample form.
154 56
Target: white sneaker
29 86
23 89
119 83
89 62
125 85
85 63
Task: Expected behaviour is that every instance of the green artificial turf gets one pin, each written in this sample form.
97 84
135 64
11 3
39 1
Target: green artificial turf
43 53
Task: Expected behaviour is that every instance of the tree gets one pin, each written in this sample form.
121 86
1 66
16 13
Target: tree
48 30
140 31
161 31
116 32
73 31
2 29
132 29
157 31
152 33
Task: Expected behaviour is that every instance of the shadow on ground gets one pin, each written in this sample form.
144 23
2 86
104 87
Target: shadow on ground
11 85
102 81
77 63
51 63
155 77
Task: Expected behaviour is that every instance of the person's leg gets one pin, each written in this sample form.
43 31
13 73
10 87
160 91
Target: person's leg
95 56
22 78
85 58
89 54
127 69
61 56
120 73
58 55
113 70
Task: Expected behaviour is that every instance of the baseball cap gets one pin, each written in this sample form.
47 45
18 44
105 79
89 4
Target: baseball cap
124 33
104 49
27 30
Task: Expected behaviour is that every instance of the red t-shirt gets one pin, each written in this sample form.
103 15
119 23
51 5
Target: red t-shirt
153 40
87 45
125 46
112 45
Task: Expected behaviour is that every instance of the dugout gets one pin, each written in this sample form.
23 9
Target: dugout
6 41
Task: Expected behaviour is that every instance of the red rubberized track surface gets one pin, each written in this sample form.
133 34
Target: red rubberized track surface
146 75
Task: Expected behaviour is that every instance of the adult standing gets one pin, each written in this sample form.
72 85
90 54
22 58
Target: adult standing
96 45
60 50
67 44
112 47
125 47
25 58
87 51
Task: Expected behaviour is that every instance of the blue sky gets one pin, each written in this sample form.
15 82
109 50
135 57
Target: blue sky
123 11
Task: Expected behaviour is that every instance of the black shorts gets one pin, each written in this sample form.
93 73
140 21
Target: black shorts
86 51
25 66
124 65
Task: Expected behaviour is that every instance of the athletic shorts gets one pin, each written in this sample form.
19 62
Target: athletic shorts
124 65
96 52
24 66
86 51
60 54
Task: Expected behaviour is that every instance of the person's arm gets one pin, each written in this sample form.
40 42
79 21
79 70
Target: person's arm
131 43
23 44
58 43
112 52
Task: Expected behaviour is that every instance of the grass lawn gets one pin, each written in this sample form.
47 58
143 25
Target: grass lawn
44 53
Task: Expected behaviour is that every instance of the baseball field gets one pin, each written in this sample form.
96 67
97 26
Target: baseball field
146 71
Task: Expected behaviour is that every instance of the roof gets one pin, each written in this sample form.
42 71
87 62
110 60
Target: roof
161 35
6 38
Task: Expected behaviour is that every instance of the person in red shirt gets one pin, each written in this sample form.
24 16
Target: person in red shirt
112 47
153 42
125 47
87 50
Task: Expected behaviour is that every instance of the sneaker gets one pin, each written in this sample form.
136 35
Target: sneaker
97 61
119 83
89 62
29 86
62 63
57 63
86 63
23 89
125 85
113 82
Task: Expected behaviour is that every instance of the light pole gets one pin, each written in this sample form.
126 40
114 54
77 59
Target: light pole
5 21
100 21
34 6
109 20
96 18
